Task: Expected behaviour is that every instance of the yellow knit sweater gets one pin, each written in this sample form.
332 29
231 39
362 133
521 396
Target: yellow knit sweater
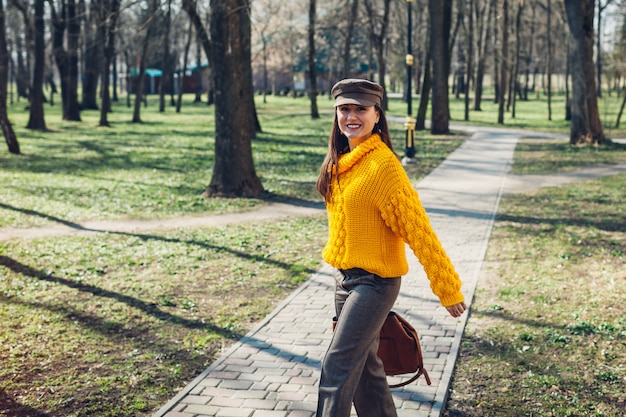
373 211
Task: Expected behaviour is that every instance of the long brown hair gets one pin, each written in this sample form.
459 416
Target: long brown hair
338 145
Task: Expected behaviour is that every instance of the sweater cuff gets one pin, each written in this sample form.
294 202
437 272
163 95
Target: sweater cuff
452 299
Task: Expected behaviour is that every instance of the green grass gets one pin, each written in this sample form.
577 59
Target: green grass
547 332
547 156
533 114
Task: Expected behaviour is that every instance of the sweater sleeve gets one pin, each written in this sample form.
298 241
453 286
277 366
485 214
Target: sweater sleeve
406 217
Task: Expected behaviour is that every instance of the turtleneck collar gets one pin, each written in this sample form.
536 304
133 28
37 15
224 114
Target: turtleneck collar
347 160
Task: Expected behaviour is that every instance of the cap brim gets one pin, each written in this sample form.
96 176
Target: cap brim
357 99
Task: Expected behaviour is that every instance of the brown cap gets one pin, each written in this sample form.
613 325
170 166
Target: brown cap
357 91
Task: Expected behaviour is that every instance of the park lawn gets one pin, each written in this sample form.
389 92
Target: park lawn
547 331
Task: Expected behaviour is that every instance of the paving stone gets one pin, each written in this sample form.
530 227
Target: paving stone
270 413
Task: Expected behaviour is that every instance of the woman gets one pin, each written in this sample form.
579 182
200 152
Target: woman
372 211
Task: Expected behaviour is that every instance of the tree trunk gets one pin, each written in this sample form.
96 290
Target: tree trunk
549 63
470 56
36 120
67 59
599 49
347 46
518 47
568 73
198 71
107 28
233 170
585 126
166 58
483 43
378 39
312 61
531 50
503 60
496 62
181 77
440 122
420 119
264 53
7 129
127 61
621 111
91 58
23 79
142 65
114 78
190 8
380 49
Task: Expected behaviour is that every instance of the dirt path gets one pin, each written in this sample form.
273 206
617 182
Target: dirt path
272 211
523 183
278 211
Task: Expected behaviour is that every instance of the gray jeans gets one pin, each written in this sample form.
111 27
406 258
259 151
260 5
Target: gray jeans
351 370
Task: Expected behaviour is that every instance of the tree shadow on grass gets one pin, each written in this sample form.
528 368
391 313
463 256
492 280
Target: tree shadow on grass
273 197
43 216
617 225
11 408
148 308
144 337
205 245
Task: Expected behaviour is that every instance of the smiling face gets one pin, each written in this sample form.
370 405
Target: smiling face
357 122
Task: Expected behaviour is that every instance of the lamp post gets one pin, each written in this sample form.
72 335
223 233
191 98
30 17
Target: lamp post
409 148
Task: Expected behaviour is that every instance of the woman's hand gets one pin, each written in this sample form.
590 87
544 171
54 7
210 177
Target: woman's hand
457 309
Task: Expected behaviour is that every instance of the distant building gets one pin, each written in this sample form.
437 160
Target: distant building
195 80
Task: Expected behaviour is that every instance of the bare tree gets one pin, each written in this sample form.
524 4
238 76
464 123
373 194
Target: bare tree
66 31
378 27
233 170
549 63
36 119
470 56
601 8
420 119
354 10
152 12
503 60
190 7
439 44
513 89
315 114
585 126
21 68
183 73
531 48
166 70
91 55
7 129
265 25
108 13
198 71
484 14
